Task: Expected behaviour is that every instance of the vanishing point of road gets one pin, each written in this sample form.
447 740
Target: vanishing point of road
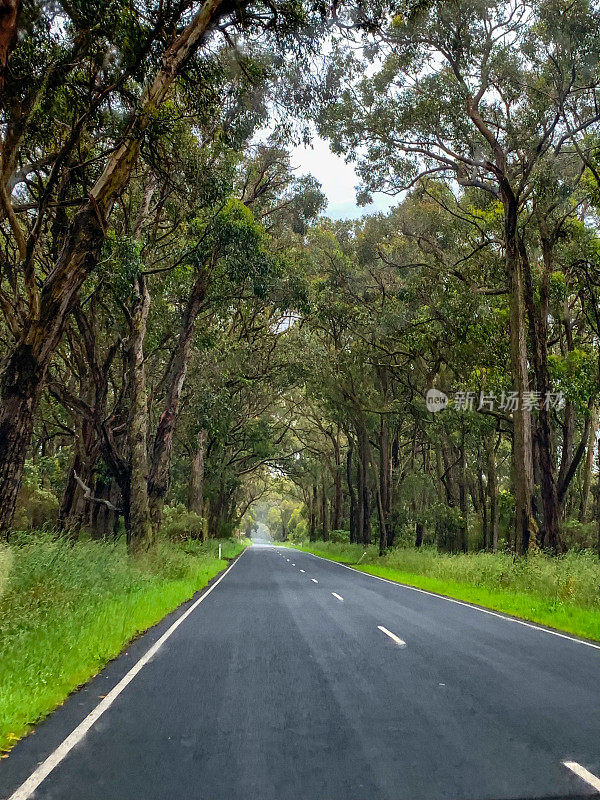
295 678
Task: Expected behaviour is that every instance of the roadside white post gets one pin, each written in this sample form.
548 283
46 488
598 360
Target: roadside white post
219 552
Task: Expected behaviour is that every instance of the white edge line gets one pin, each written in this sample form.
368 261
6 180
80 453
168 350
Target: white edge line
45 768
489 611
400 642
314 580
338 597
583 773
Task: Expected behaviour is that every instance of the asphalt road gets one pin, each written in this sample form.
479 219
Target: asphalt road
297 678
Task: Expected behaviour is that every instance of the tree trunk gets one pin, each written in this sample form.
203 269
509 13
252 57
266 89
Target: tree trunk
364 493
522 437
196 484
8 34
336 522
588 466
313 514
352 513
324 521
385 476
73 507
418 534
492 487
383 529
103 520
483 504
140 533
538 331
463 496
176 373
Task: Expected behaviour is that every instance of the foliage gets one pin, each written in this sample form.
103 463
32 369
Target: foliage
181 524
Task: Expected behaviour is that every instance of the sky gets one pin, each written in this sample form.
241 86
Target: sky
338 181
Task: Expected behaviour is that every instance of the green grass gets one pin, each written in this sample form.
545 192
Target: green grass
560 592
66 611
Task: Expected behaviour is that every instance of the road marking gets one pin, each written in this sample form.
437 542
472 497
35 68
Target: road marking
301 570
287 559
583 773
293 565
400 642
338 597
45 768
489 611
314 580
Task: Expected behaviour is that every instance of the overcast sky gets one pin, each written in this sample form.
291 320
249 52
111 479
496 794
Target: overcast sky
338 180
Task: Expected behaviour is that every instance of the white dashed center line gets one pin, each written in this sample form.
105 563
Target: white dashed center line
314 580
400 642
583 773
293 565
301 570
338 597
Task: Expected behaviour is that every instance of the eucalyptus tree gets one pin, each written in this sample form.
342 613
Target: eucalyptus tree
89 82
482 95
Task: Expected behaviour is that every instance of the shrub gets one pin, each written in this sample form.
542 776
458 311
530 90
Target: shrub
180 524
36 508
339 537
581 535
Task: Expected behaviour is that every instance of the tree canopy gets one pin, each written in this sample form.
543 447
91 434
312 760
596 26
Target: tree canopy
185 331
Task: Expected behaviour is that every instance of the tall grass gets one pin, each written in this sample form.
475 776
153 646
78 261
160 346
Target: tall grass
561 591
570 578
66 610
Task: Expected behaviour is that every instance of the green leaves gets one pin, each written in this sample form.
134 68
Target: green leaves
121 263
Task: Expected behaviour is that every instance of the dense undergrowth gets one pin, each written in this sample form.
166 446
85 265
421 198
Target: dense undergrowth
66 610
560 591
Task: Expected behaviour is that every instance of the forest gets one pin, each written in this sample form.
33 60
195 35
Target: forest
191 348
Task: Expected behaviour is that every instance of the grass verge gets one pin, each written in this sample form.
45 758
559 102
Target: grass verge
559 592
65 611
